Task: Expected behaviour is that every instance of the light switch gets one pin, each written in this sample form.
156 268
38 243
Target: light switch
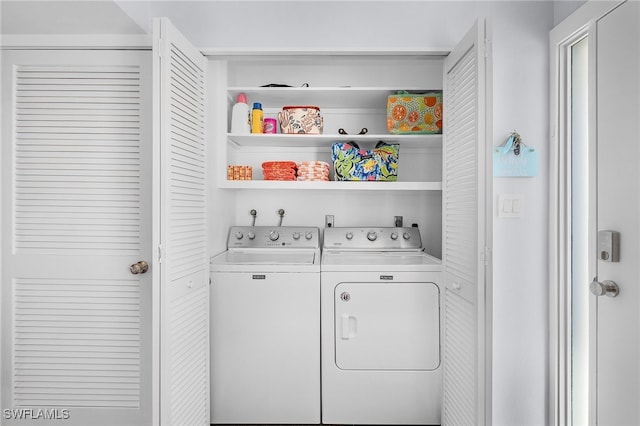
507 206
510 205
516 205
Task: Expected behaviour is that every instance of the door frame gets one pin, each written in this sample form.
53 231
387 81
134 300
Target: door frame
578 25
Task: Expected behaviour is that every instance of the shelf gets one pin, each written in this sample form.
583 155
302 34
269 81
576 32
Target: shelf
322 141
323 97
333 185
352 96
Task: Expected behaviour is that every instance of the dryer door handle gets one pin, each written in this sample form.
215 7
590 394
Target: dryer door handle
349 326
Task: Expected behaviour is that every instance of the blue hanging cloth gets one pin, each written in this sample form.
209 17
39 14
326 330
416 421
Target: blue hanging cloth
515 158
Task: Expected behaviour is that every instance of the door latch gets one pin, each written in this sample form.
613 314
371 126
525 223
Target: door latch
139 267
606 288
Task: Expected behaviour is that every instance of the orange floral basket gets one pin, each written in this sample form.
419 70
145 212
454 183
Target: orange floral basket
414 113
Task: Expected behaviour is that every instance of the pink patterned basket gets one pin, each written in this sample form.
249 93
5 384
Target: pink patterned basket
300 119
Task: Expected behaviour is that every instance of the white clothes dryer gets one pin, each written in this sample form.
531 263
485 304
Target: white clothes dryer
265 327
380 316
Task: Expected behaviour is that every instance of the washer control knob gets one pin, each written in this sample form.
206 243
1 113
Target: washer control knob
251 235
273 235
406 236
239 235
372 236
308 235
394 236
296 235
349 236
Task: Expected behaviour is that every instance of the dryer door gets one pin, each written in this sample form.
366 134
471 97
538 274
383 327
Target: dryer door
387 326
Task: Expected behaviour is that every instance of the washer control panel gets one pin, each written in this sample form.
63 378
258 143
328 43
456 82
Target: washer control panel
273 237
382 239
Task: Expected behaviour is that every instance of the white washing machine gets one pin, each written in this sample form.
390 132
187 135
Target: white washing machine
265 327
380 316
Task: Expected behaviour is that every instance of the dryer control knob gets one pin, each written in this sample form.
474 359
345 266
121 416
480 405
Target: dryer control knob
251 235
296 235
308 235
372 236
394 236
273 235
239 235
406 236
349 236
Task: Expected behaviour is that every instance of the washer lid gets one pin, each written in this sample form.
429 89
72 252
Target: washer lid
379 261
267 260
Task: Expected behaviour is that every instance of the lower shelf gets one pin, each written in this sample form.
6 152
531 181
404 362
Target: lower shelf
332 185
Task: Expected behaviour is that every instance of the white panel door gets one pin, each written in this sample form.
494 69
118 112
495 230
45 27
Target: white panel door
76 213
466 200
616 380
180 222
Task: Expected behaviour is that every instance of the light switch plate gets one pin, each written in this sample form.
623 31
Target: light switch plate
510 205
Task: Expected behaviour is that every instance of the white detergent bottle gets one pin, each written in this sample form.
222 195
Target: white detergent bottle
240 116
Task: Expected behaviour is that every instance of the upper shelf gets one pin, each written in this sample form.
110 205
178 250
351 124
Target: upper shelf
323 97
325 140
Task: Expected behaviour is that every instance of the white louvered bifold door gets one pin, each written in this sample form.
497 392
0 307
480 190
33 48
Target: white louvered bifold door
76 213
184 306
467 233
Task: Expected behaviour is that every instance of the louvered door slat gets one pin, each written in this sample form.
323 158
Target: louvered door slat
190 357
66 91
185 327
459 396
188 109
187 167
460 169
56 321
464 240
79 118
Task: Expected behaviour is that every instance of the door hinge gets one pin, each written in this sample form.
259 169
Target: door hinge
161 45
488 46
485 256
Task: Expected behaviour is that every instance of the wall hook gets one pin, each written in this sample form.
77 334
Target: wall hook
513 143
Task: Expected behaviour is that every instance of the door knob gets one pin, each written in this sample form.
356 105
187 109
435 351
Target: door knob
605 288
139 268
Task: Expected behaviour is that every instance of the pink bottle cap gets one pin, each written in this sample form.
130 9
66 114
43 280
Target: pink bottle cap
242 98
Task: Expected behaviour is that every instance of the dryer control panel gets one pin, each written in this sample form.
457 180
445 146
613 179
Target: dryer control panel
273 237
375 239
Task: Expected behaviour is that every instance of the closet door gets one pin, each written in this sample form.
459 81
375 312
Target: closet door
76 212
467 191
180 221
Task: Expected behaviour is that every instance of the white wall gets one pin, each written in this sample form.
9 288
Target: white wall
520 245
64 17
564 8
